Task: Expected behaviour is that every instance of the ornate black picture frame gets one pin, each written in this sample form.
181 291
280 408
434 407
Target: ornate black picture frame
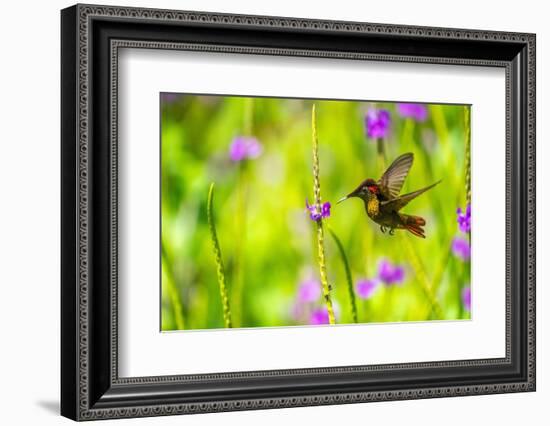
91 36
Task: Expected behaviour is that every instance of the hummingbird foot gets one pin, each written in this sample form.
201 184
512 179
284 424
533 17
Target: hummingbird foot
392 231
383 229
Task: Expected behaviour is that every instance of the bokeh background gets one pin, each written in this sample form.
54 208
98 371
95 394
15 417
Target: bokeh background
258 152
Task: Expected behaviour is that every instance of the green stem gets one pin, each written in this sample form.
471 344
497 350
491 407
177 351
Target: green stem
438 275
381 152
320 232
220 270
347 269
440 124
422 277
173 293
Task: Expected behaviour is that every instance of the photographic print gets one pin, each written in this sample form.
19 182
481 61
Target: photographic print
309 212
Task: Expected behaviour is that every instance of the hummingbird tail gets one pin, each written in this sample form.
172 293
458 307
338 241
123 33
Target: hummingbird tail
414 224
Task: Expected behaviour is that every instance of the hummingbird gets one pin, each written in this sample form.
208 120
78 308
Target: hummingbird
383 202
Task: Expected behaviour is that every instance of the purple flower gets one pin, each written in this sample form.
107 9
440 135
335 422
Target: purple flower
169 97
319 316
314 214
325 210
418 112
464 220
244 147
467 298
461 248
309 290
365 288
390 274
297 311
377 123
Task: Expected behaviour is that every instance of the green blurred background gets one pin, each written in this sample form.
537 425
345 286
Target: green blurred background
267 239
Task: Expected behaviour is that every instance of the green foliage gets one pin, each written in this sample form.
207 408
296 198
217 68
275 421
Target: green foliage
220 270
270 243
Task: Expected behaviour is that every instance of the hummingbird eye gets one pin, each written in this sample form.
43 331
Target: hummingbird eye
371 188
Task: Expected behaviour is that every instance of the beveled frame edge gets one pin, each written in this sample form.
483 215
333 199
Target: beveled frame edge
75 305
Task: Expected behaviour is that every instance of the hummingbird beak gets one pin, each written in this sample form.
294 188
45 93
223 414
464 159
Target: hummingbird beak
342 199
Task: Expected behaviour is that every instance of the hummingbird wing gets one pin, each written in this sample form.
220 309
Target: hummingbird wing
398 203
392 180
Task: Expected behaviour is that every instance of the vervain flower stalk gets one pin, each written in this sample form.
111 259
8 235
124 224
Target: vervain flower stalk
467 154
319 221
422 277
463 249
347 270
220 270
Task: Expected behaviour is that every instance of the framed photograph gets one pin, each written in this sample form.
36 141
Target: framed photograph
263 212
